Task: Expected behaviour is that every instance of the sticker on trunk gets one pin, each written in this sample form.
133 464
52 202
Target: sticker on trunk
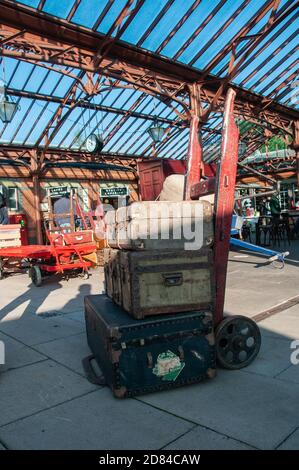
168 366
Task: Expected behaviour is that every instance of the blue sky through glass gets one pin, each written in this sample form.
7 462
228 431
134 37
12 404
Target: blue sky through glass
276 61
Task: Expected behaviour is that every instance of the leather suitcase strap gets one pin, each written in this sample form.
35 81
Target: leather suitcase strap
167 337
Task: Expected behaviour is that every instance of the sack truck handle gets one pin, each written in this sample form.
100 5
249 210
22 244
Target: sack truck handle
90 373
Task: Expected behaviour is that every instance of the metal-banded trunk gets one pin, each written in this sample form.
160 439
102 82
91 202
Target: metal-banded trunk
152 283
158 353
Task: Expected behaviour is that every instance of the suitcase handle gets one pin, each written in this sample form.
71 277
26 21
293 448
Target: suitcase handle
181 353
90 373
149 360
173 279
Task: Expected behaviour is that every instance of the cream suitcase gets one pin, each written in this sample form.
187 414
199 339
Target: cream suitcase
161 225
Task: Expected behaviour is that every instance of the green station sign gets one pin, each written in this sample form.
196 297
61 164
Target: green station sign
58 191
116 191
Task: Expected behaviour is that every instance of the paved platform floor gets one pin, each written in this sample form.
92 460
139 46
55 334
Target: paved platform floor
46 402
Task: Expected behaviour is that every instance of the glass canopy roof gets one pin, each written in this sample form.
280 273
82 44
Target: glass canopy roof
196 33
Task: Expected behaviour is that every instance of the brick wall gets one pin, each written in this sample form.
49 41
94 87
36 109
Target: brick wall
87 181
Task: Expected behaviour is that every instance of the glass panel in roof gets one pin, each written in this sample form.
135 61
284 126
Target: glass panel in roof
72 118
142 146
166 24
271 63
10 66
150 105
133 135
96 123
110 96
123 130
88 12
30 3
127 99
292 98
187 29
50 83
72 138
169 113
36 79
109 120
111 16
267 85
146 15
261 24
106 120
143 103
9 130
281 28
44 118
20 132
40 109
21 76
137 140
175 138
213 27
76 129
63 85
58 8
137 130
178 151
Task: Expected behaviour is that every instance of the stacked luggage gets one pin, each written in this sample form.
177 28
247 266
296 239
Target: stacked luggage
153 329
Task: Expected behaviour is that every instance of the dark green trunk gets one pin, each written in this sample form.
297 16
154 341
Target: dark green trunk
141 356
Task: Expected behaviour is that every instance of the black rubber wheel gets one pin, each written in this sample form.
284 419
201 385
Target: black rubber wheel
35 275
278 264
1 269
238 341
84 274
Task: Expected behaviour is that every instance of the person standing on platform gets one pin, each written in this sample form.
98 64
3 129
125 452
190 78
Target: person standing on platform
275 206
4 219
63 206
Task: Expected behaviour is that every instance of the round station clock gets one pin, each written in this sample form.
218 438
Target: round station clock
93 143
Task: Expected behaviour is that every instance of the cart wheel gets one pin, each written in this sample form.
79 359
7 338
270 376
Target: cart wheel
238 341
277 261
85 275
36 275
277 264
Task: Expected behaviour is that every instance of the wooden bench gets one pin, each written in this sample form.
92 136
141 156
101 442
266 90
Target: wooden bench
10 235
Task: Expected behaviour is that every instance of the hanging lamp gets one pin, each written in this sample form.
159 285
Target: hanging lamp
8 106
156 131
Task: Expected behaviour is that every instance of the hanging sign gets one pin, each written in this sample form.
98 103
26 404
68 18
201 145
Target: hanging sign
58 191
116 191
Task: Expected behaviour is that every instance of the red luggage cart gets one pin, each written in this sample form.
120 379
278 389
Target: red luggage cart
64 255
